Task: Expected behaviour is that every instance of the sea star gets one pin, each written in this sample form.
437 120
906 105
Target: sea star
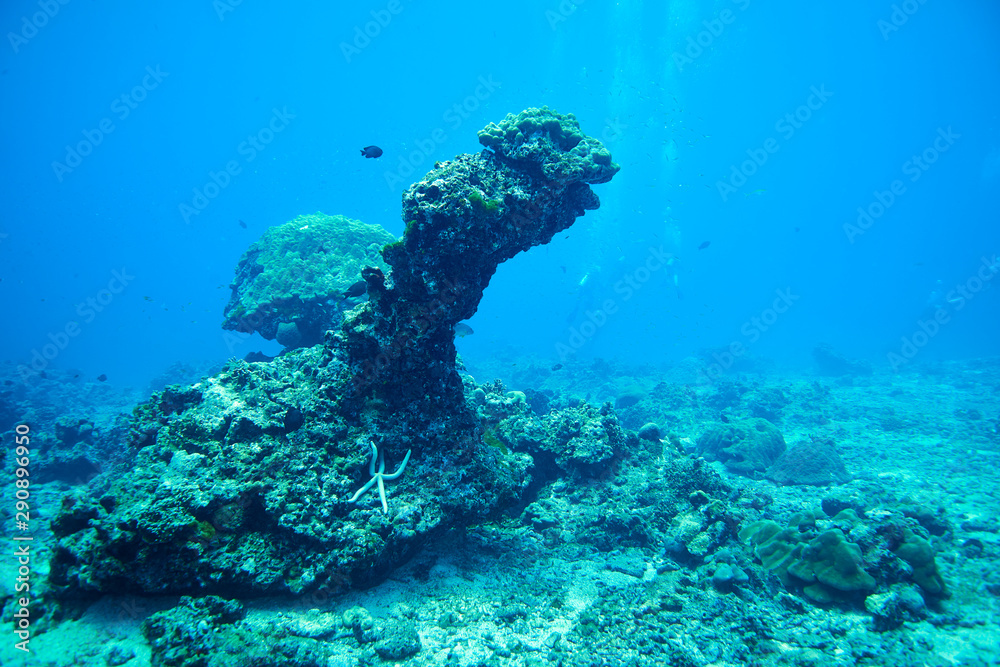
380 476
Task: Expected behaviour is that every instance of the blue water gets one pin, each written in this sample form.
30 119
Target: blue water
117 116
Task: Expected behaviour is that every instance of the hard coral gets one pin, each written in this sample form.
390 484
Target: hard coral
290 283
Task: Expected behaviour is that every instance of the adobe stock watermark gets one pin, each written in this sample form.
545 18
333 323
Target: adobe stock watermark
901 13
87 310
248 149
454 117
787 125
122 107
613 130
714 28
954 301
30 25
626 288
130 611
363 35
751 330
562 12
223 7
914 168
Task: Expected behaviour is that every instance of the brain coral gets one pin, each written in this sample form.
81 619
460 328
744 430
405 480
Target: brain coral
290 283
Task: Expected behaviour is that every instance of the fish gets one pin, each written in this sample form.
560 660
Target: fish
557 367
355 290
102 377
462 330
704 244
243 224
371 151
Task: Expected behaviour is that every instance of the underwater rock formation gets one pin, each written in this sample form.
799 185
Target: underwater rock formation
290 283
463 219
239 484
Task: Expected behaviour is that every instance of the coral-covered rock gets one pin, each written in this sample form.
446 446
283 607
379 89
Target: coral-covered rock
552 143
240 483
463 219
890 609
583 440
745 447
240 486
290 283
815 463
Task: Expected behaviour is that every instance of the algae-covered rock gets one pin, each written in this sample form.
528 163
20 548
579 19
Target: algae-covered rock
290 283
745 447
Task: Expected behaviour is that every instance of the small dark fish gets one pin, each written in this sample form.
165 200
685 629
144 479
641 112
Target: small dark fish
797 228
8 383
371 151
557 367
43 375
355 290
704 245
243 224
102 377
462 330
